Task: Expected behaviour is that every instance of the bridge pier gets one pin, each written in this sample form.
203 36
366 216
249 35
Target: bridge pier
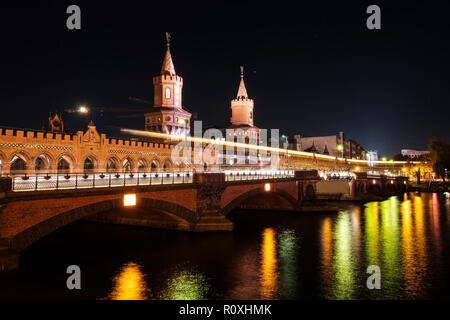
210 187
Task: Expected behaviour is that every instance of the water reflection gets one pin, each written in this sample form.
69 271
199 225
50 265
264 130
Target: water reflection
129 284
343 268
288 263
390 247
326 238
186 285
294 256
269 272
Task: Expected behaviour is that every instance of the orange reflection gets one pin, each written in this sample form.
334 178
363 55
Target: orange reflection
269 272
326 238
129 284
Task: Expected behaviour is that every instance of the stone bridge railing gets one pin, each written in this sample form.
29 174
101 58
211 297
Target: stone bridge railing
57 181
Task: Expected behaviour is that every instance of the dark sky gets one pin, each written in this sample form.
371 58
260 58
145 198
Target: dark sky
312 67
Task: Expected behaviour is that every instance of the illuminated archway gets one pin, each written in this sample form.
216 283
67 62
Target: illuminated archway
19 161
65 163
43 161
167 165
127 164
142 165
112 164
90 163
155 164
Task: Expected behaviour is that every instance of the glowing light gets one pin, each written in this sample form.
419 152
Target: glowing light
404 169
392 181
267 187
251 146
374 181
340 147
416 168
129 200
83 109
383 159
357 169
182 121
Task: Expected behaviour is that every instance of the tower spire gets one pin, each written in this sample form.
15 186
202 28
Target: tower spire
242 92
167 66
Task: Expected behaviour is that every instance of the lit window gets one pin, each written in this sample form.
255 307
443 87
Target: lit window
167 93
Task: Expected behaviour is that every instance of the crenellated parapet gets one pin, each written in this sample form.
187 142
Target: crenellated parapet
28 151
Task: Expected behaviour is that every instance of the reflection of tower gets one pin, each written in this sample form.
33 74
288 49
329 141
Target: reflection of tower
55 123
167 115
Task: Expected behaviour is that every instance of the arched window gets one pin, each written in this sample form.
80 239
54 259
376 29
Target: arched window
167 93
63 165
39 164
18 164
88 164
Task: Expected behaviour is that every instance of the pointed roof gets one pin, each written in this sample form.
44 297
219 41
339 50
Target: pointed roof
167 66
242 92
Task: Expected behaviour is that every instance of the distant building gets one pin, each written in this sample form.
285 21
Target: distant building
413 153
333 145
372 155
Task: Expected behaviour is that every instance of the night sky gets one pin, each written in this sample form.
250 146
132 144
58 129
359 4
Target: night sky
313 68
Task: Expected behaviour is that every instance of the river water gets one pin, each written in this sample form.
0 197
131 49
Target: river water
270 255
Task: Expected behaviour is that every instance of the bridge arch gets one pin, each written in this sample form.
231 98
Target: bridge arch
275 193
31 235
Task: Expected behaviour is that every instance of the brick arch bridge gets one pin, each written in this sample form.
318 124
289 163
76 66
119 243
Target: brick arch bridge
26 217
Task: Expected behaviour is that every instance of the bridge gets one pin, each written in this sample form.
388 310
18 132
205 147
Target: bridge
188 201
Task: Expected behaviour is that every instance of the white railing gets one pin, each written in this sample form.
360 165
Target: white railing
98 180
62 181
240 175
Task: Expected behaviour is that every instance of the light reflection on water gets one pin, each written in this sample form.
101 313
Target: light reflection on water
391 234
129 284
270 255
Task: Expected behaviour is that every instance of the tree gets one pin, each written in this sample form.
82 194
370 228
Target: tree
400 157
439 156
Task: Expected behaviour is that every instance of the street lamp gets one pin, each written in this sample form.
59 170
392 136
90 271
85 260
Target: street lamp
85 110
341 149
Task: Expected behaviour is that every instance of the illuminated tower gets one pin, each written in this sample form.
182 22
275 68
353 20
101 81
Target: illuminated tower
242 115
167 115
242 106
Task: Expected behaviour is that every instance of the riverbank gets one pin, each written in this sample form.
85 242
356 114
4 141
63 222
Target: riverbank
432 186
